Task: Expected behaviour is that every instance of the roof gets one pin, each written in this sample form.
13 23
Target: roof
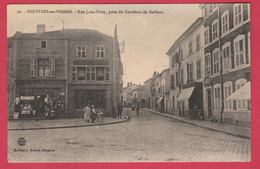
66 33
193 26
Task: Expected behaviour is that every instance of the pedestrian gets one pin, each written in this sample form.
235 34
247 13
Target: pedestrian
128 116
137 110
119 111
87 113
114 112
93 114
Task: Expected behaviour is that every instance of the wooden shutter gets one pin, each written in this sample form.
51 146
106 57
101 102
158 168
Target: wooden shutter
38 44
52 67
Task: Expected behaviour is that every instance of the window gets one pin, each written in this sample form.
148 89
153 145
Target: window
177 79
33 67
181 55
216 61
206 35
239 47
208 65
173 103
100 51
172 82
228 92
52 67
172 61
81 51
43 44
93 73
44 69
198 42
190 72
182 79
107 73
198 69
81 73
206 11
225 22
214 29
190 48
238 14
100 73
74 73
226 54
241 104
217 96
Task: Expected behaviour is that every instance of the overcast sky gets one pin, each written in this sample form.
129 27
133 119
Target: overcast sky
147 36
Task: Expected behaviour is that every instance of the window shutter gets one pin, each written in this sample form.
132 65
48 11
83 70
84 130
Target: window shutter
52 67
33 67
38 44
234 104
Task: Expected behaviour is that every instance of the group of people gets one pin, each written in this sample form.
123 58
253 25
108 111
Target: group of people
117 111
90 115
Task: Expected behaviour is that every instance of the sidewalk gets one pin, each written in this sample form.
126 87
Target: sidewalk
220 127
57 123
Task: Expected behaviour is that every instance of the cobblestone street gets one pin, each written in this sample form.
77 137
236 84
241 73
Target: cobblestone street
149 137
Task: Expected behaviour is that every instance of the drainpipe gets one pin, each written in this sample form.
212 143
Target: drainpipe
221 67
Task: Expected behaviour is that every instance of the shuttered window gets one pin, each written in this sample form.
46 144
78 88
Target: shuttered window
33 67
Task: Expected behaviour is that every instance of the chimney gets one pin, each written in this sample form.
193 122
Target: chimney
127 84
40 28
131 83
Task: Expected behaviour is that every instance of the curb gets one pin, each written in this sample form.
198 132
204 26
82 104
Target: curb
76 126
199 125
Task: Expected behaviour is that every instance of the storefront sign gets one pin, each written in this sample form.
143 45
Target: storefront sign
27 98
90 62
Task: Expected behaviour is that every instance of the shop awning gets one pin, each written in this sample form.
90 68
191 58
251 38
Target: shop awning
159 100
185 94
243 93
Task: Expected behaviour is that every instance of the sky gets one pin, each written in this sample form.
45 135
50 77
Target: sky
148 36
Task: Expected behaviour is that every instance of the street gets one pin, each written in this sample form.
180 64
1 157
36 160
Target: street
148 137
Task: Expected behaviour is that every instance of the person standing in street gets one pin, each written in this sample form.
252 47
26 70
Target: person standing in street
114 112
87 113
137 110
93 114
119 111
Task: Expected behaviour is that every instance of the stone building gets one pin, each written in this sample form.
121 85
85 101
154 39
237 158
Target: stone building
70 66
186 66
227 62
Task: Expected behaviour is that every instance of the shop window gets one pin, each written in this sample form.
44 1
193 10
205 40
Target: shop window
100 51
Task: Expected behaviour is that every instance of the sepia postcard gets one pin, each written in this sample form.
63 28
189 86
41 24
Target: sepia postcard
129 83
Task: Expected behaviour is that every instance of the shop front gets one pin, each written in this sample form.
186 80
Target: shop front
33 100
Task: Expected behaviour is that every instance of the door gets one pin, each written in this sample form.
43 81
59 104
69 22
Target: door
209 103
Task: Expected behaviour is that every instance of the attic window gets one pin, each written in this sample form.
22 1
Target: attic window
43 44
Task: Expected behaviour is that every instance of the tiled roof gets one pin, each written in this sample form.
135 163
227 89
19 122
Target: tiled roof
66 33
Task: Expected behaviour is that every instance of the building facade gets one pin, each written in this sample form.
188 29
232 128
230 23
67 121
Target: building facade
72 67
128 94
227 61
186 66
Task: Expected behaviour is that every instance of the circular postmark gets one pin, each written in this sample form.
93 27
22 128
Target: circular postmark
21 141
